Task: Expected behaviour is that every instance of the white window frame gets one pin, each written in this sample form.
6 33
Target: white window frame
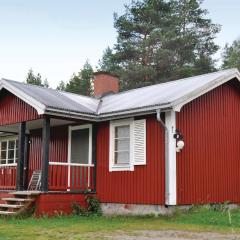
112 165
7 139
73 128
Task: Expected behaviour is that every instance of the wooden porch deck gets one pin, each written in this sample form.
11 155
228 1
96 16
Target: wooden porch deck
46 204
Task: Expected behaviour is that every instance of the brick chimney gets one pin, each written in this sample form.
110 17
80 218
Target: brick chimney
105 83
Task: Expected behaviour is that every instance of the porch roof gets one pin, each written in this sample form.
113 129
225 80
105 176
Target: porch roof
170 95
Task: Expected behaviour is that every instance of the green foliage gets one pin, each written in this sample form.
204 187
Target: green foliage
80 83
220 207
93 207
79 210
108 62
61 86
231 55
46 83
160 40
36 79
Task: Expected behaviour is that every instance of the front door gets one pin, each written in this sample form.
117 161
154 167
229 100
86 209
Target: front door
80 156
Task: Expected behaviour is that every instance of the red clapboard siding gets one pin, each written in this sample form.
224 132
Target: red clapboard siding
144 185
208 168
51 204
14 110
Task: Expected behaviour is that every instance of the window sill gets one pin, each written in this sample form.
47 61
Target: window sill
116 168
8 165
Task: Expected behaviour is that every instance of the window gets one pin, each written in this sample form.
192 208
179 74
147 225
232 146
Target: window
122 145
8 151
127 144
80 144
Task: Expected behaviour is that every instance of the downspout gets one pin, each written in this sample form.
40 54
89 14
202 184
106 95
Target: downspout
159 119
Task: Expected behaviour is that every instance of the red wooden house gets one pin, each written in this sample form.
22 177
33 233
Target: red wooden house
175 143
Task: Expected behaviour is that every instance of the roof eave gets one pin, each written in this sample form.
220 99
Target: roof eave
179 103
107 116
40 108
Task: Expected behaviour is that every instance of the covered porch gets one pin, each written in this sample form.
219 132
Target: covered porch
63 150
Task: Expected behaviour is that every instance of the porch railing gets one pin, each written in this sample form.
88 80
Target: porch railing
70 176
8 175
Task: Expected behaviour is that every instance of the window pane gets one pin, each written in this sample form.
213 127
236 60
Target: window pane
10 161
10 154
121 157
3 155
3 145
122 145
80 146
16 143
3 161
122 131
11 144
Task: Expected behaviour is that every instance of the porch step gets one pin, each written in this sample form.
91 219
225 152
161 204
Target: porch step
21 201
25 193
18 199
10 206
7 213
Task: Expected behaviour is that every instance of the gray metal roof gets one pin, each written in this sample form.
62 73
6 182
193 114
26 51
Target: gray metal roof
172 94
55 99
163 94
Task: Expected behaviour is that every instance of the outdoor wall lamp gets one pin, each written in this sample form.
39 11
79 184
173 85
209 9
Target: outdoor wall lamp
180 141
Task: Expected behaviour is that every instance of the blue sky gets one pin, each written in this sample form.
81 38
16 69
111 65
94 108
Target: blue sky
55 37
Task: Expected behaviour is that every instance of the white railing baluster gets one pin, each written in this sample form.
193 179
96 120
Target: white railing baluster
70 166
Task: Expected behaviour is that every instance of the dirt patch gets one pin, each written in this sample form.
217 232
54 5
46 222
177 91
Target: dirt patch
163 235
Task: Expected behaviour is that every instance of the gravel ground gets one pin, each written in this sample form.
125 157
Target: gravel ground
164 235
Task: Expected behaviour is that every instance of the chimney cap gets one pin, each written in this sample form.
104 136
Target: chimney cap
105 72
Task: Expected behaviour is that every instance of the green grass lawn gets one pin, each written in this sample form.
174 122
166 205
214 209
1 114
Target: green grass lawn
74 227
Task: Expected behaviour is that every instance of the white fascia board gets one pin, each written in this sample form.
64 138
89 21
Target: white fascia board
170 164
178 104
40 108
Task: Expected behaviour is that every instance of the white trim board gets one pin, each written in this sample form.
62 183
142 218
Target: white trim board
114 167
178 104
170 165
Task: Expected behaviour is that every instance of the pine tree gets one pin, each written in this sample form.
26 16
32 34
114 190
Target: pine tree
80 83
46 83
61 86
36 79
231 55
160 40
194 36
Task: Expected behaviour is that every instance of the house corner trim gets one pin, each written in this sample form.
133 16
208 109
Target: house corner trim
170 167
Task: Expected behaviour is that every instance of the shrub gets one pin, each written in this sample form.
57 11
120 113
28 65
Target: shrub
79 210
93 207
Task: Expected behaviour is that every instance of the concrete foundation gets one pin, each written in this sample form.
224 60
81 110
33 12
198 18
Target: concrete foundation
109 209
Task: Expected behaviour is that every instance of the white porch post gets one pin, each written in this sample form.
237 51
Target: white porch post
170 168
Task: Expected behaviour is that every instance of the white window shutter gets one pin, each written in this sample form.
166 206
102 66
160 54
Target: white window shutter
139 148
